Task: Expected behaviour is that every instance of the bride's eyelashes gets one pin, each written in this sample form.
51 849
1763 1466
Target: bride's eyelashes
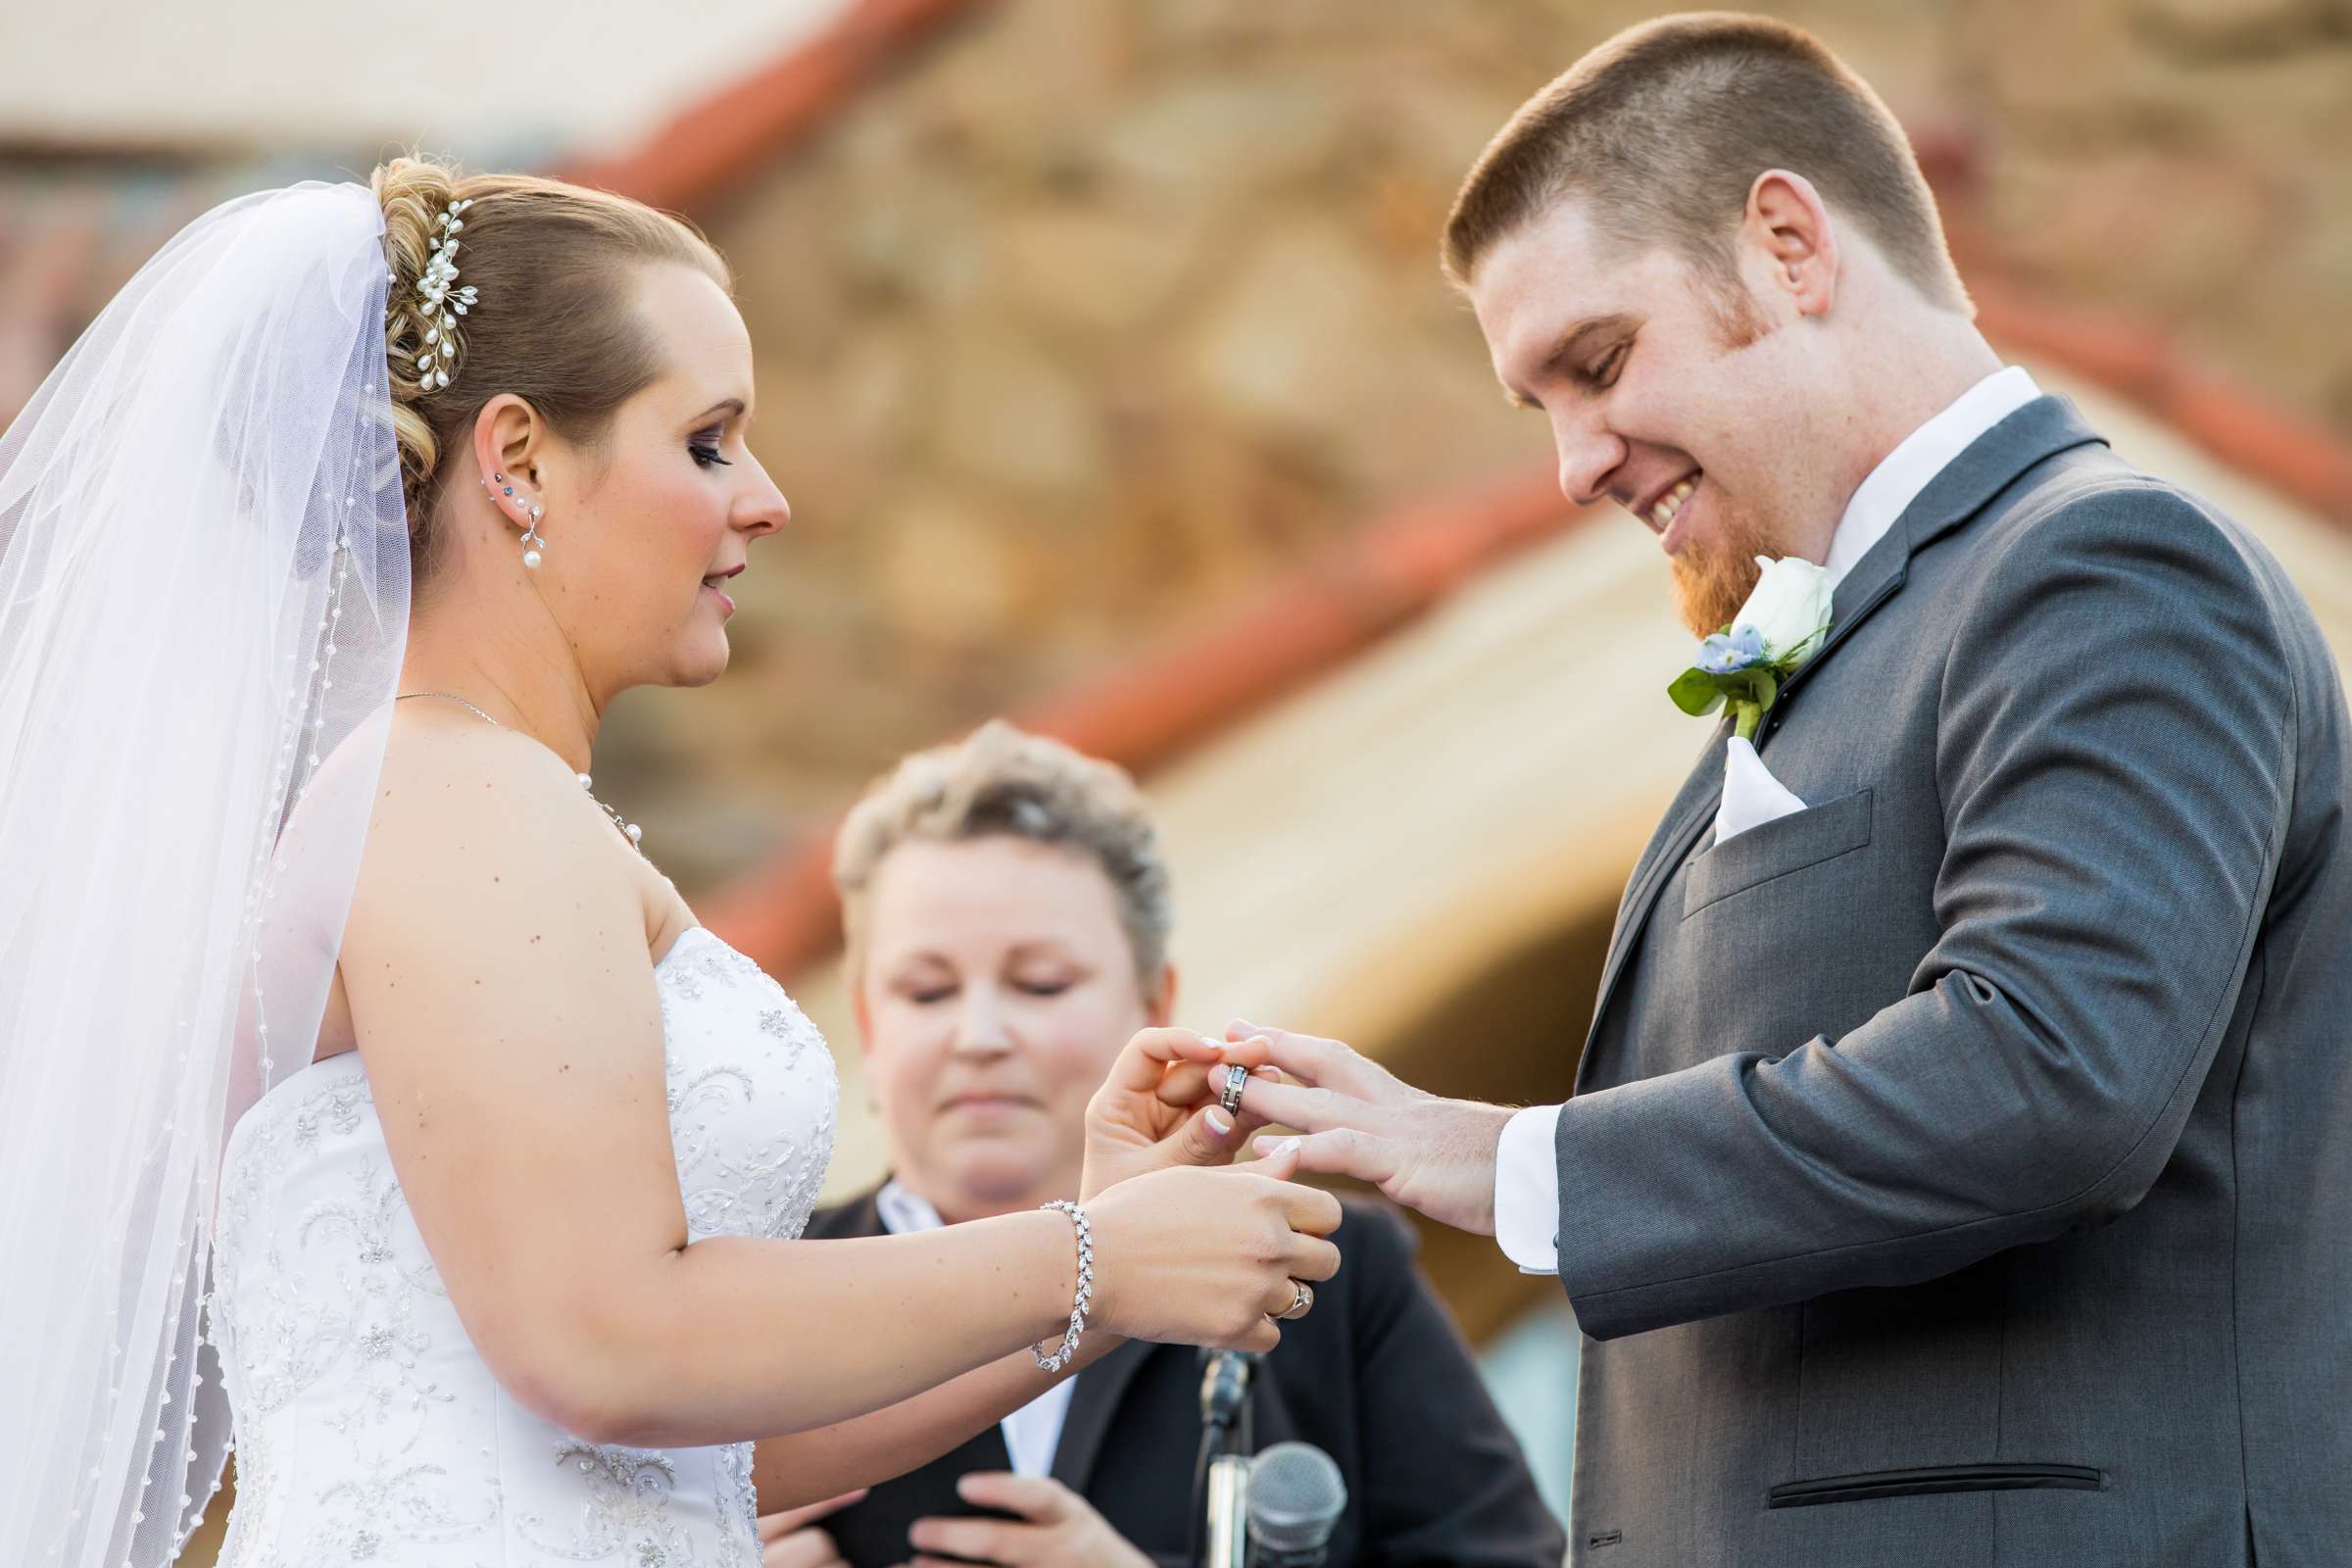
705 448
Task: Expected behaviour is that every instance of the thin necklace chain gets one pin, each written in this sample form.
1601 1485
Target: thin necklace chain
628 829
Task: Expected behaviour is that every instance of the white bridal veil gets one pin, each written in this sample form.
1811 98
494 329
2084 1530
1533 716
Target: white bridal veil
204 594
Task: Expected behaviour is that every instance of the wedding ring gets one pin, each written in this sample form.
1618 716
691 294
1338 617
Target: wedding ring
1236 1076
1302 1301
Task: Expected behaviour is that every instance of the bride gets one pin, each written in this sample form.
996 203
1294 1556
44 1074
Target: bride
361 1077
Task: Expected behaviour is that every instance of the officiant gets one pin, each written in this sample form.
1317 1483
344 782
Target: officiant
1007 916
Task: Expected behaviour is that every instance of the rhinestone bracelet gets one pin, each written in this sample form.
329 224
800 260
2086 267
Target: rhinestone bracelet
1086 1289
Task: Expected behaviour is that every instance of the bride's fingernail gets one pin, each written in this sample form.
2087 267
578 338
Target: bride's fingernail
1278 1148
1218 1122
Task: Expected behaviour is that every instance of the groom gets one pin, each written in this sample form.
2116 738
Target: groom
1958 1163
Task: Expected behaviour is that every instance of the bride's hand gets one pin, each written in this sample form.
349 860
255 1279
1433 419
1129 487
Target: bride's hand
1159 1108
1190 1257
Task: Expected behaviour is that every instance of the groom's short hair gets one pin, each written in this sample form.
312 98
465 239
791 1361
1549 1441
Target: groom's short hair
1663 129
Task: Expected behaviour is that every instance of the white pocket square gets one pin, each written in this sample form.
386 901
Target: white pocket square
1751 796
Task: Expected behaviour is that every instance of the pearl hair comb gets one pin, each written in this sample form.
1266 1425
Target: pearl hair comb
443 301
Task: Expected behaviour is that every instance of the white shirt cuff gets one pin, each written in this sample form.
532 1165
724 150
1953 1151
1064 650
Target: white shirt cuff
1527 1191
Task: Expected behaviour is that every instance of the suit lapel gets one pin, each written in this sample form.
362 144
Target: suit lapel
1986 468
1093 1405
1876 579
2043 428
1686 818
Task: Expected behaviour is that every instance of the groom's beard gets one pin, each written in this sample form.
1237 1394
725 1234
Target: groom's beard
1714 575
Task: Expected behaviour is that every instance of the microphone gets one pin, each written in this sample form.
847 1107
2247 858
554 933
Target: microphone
1295 1498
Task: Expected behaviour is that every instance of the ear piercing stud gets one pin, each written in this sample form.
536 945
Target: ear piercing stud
533 540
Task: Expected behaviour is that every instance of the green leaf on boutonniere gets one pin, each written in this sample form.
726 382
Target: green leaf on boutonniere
1697 693
1700 692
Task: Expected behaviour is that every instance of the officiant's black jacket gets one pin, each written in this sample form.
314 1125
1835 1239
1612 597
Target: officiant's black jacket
1376 1376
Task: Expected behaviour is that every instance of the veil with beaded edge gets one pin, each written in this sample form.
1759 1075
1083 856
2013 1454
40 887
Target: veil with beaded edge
204 597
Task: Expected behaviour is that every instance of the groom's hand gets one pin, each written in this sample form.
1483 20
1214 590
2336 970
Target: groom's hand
1360 1119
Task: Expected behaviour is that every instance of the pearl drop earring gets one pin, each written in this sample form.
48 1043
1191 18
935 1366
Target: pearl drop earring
533 540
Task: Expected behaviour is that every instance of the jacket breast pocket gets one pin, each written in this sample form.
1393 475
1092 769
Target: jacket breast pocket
1777 848
1935 1479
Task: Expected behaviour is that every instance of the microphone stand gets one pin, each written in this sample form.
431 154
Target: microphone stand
1221 1474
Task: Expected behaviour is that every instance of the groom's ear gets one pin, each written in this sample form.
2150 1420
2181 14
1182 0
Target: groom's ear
1788 229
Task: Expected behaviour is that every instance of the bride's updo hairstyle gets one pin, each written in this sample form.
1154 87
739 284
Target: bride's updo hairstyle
554 266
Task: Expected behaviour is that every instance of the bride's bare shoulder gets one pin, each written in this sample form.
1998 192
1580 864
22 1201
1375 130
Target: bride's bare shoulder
471 815
437 773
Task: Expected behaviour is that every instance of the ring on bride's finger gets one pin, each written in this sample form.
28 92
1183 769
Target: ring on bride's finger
1236 1076
1302 1301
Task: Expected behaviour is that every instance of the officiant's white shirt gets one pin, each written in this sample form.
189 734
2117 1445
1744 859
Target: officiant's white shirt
1032 1433
1527 1181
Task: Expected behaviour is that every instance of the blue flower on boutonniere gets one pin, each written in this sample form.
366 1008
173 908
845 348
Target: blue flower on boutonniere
1779 628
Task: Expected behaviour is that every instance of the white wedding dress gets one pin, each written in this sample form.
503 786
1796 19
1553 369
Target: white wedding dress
368 1428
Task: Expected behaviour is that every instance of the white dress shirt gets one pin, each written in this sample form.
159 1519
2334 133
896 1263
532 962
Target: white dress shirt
1034 1431
1527 1181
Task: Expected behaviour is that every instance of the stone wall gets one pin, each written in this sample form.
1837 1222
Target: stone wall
2181 162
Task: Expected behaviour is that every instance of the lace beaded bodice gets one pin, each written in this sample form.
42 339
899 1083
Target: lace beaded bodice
369 1429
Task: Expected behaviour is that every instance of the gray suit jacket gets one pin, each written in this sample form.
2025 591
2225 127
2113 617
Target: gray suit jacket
1958 1168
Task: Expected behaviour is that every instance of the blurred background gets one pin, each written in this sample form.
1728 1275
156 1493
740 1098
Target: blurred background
1105 359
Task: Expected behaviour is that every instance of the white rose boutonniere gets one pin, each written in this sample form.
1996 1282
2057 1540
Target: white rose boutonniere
1779 628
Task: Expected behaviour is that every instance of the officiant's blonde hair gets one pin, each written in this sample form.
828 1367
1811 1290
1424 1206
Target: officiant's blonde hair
1662 130
1006 782
555 267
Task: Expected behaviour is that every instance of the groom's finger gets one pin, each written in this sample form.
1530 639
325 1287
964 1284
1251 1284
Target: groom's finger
1341 1152
1314 1059
1310 1110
